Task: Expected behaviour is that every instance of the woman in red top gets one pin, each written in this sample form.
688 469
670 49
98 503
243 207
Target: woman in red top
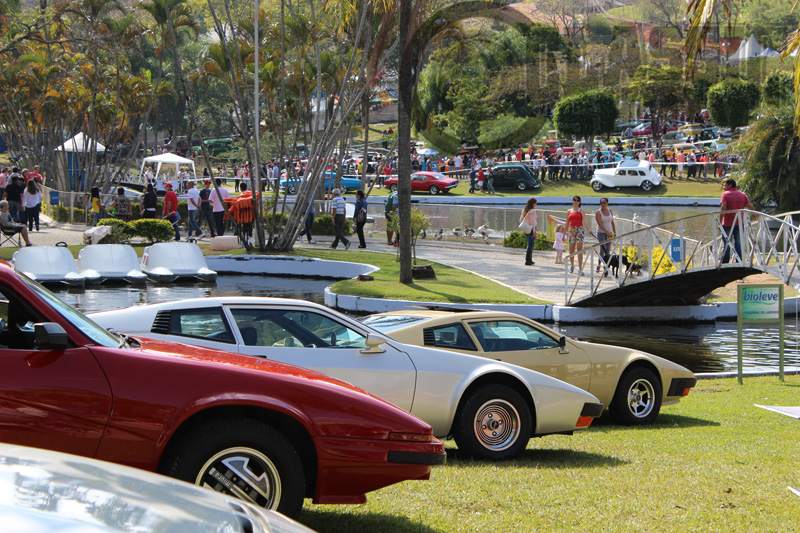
577 225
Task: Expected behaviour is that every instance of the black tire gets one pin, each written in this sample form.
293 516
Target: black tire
393 188
521 185
291 189
597 186
433 189
637 400
647 185
262 452
343 189
494 423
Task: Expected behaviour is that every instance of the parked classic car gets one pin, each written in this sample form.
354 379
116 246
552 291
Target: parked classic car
432 182
46 491
347 184
513 176
628 173
265 431
490 408
632 384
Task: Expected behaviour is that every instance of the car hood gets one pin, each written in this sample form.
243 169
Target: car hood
55 492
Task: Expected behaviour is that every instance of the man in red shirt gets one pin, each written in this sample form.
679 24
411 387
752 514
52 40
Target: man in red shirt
171 208
732 200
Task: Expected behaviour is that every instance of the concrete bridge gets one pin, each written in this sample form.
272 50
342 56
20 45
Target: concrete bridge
679 262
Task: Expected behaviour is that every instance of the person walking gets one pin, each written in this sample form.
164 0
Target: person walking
193 208
528 215
338 209
31 198
206 208
606 229
576 227
97 206
149 202
13 194
217 197
309 221
390 211
732 200
558 243
360 217
171 208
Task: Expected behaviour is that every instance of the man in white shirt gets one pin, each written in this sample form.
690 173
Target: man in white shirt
193 205
458 162
219 206
338 209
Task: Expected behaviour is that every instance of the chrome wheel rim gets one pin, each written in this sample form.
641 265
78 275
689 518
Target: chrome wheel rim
497 425
244 473
641 398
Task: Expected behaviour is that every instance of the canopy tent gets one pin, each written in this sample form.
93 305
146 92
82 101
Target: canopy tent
81 143
169 160
747 50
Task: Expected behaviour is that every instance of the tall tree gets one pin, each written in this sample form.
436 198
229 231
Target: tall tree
587 114
731 101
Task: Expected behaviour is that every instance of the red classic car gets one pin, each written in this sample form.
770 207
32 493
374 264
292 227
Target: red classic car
264 431
433 182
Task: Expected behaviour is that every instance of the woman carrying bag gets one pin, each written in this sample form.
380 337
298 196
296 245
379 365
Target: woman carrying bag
527 225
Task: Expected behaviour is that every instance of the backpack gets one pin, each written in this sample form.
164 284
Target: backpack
361 216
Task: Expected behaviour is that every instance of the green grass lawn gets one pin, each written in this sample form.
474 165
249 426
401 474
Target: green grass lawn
714 462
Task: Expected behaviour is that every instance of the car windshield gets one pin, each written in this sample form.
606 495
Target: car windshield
387 323
75 317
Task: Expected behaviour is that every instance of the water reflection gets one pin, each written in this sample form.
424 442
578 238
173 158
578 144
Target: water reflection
699 347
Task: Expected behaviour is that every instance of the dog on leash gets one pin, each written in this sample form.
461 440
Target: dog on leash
630 268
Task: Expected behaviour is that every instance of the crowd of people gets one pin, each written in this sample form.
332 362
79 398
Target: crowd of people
20 200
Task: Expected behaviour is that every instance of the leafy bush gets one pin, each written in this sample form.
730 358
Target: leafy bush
280 222
517 239
153 229
323 225
120 231
61 213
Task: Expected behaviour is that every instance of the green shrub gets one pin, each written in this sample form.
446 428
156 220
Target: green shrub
120 231
280 221
517 239
61 213
153 229
323 225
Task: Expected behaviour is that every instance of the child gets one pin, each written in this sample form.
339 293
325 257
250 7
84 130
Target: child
558 244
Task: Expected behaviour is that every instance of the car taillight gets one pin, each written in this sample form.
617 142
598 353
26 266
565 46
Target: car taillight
584 421
410 437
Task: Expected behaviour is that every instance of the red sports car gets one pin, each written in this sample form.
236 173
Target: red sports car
264 431
433 182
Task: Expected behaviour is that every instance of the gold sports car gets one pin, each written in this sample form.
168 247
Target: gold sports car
632 384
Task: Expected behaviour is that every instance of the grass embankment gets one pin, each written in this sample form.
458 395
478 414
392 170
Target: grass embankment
714 462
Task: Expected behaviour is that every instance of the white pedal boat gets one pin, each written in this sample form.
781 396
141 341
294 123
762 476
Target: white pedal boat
168 261
50 265
111 262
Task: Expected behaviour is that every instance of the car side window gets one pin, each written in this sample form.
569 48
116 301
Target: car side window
452 336
18 319
201 323
509 336
294 329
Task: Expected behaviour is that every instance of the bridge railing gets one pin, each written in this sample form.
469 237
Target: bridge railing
767 243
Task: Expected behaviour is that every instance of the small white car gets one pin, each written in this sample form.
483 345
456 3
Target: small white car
490 408
628 173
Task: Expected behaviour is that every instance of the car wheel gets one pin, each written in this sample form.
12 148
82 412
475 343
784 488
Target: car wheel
433 189
596 185
637 400
292 189
344 189
393 188
493 423
243 458
521 185
647 185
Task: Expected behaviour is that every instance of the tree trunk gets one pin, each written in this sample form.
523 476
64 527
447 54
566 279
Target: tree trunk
405 88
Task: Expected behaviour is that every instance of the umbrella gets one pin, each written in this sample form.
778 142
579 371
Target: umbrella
427 152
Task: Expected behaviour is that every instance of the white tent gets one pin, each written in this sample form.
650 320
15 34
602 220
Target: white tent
81 143
747 50
169 160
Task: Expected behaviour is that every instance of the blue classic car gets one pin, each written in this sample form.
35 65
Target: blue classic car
348 183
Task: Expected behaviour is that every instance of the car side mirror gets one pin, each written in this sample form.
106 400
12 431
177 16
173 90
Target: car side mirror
50 336
562 345
374 342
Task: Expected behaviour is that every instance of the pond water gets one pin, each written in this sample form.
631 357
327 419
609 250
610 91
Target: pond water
699 347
